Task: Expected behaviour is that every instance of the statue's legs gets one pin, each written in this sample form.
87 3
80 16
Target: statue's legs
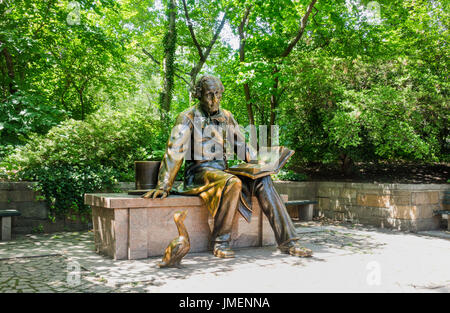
273 207
275 210
223 220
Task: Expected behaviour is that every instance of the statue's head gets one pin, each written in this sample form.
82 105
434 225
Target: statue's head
208 90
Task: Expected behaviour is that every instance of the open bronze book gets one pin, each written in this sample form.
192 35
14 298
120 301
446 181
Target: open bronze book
269 162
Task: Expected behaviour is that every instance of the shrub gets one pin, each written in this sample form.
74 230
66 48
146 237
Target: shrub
63 186
79 157
289 175
355 111
24 113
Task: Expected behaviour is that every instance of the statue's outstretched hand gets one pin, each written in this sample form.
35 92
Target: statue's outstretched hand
154 193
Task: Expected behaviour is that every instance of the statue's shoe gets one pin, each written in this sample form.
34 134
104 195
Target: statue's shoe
223 250
293 248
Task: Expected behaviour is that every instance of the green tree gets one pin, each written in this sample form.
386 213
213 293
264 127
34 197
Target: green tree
54 64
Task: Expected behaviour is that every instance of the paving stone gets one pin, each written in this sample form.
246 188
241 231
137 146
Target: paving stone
341 253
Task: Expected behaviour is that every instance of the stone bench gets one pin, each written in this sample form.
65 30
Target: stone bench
130 227
305 208
5 220
443 213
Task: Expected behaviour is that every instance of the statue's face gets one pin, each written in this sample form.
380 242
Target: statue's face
211 96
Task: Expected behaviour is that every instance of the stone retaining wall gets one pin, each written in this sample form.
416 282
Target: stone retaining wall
297 191
20 196
399 206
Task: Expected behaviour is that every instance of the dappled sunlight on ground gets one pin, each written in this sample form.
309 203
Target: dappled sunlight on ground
344 256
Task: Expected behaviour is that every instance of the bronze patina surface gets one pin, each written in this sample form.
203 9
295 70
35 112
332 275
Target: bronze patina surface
146 174
225 194
179 246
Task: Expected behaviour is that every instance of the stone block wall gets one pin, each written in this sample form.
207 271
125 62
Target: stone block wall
399 206
296 191
21 196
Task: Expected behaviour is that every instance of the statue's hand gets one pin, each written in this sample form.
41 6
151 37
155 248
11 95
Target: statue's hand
154 193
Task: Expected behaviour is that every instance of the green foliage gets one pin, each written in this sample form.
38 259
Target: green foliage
367 111
289 175
79 157
77 101
52 69
38 229
156 155
63 186
352 88
22 114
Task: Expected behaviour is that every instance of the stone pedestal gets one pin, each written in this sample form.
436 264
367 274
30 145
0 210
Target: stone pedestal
130 227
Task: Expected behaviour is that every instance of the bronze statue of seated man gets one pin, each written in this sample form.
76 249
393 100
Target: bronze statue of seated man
224 194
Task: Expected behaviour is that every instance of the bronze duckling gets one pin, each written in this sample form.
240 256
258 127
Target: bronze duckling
179 246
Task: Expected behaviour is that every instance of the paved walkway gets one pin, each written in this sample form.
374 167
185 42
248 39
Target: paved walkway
346 259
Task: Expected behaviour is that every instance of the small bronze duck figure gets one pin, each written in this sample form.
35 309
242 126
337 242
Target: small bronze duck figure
178 247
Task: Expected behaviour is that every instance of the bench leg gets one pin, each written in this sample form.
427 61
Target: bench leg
305 212
6 228
448 222
309 210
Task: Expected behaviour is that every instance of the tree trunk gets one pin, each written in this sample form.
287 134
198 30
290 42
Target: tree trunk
248 101
194 72
10 67
83 109
80 95
242 41
346 164
203 55
169 43
274 98
273 102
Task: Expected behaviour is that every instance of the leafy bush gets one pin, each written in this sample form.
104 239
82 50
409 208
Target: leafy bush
350 111
79 157
24 113
63 186
289 175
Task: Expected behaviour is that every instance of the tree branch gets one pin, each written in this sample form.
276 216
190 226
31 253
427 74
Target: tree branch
150 55
191 30
49 4
182 78
303 23
216 35
242 35
159 63
326 41
196 69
